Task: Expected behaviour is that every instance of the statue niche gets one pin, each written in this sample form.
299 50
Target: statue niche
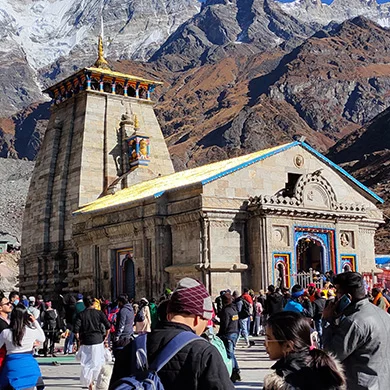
138 147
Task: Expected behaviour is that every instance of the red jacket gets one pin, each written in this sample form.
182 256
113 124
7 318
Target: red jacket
247 297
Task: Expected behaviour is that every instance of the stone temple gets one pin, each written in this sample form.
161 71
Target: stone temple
107 213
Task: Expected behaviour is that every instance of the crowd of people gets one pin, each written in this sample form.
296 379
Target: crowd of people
330 339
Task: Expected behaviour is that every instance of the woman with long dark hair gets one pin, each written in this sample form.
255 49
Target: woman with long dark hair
21 370
299 365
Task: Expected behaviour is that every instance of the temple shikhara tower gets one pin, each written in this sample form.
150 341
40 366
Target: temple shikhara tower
107 214
98 140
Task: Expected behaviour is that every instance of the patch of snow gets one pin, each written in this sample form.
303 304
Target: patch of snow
48 29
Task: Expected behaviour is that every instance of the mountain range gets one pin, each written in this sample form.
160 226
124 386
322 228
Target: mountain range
239 75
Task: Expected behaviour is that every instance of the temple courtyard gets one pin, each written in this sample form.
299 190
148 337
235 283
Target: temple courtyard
254 364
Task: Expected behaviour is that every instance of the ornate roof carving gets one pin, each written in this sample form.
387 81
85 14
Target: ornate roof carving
312 191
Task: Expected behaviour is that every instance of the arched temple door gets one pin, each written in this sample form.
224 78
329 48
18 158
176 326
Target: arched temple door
129 277
310 254
124 282
281 270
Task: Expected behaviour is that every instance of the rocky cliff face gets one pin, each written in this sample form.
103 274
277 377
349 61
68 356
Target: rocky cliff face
327 87
15 179
365 153
310 11
336 81
38 33
227 28
240 75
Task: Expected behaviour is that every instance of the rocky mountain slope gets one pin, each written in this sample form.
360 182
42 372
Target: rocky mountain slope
231 28
37 33
327 87
315 11
15 178
365 153
9 271
240 75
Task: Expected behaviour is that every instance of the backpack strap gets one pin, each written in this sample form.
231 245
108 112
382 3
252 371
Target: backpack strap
172 348
141 358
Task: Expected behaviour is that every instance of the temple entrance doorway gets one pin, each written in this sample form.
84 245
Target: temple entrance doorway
124 282
129 278
310 255
315 254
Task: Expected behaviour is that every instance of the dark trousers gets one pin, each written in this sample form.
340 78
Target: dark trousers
50 338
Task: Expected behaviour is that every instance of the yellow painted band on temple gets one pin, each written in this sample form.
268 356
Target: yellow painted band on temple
173 181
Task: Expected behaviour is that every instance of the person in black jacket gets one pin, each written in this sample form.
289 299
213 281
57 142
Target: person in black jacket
273 302
229 331
88 330
318 307
199 364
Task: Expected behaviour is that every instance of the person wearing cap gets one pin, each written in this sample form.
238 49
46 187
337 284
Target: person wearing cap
33 310
80 306
198 365
299 302
358 334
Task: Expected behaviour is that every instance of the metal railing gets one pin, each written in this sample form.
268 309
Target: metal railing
305 278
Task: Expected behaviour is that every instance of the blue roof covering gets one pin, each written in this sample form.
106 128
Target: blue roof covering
382 259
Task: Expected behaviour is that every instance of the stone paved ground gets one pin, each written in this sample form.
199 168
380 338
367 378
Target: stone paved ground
253 362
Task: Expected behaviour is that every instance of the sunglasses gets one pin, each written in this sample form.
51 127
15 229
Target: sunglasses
6 303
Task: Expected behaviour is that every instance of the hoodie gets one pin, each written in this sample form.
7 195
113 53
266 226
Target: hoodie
124 321
274 303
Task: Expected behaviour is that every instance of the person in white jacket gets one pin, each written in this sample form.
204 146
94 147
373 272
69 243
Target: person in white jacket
143 321
20 369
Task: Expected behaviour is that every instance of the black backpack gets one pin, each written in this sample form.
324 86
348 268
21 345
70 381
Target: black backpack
145 376
140 316
245 311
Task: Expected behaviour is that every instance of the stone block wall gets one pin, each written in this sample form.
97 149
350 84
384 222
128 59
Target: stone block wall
75 165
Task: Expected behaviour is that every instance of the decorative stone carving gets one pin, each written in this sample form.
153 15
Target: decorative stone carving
315 196
312 191
280 235
347 239
299 161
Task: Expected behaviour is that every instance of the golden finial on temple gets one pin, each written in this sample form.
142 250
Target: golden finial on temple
101 61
